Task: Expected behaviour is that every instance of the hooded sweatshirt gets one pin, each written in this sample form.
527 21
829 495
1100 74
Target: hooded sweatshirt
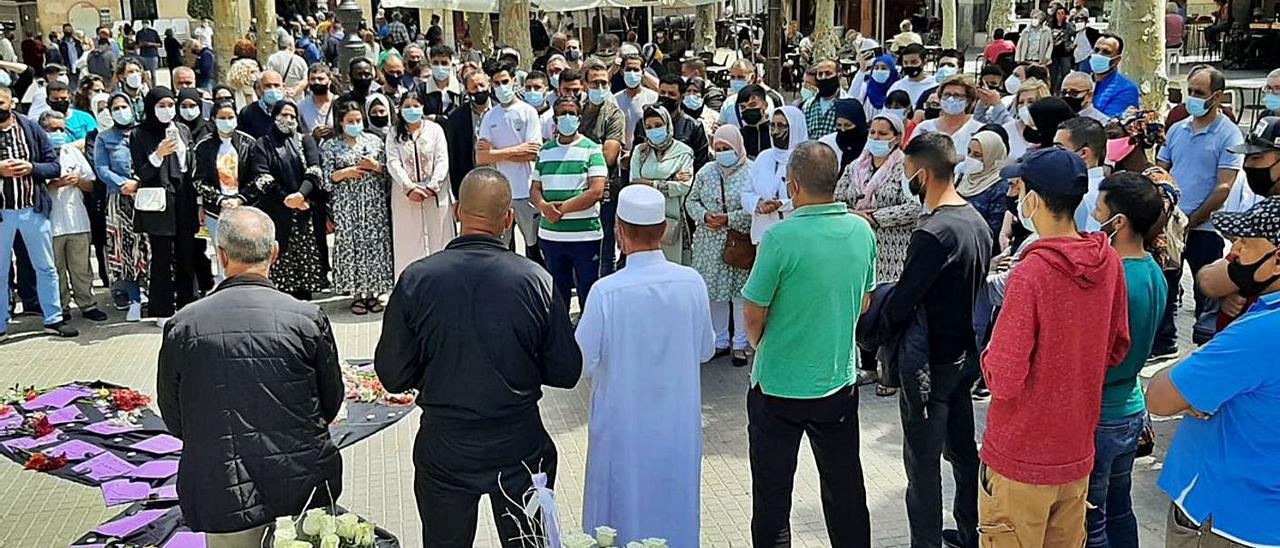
1064 322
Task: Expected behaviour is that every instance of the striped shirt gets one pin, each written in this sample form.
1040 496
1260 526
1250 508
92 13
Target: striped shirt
564 171
16 192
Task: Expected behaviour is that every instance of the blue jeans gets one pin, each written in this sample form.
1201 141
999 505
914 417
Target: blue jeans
572 264
1110 520
38 237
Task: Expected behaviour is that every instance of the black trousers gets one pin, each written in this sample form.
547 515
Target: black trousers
95 204
454 466
1166 339
945 431
774 427
172 271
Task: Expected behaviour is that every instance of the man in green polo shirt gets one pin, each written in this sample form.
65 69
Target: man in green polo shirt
813 276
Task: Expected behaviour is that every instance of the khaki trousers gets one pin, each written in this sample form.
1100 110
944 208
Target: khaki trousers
1013 514
249 538
71 259
1181 532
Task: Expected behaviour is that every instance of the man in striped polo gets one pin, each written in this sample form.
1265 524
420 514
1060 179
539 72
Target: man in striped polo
568 183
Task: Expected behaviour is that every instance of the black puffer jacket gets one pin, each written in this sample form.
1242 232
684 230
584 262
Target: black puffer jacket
249 379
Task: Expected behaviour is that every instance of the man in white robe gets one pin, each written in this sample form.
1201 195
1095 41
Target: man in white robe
644 333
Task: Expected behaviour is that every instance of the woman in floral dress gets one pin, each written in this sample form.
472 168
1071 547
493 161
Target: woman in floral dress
360 199
715 205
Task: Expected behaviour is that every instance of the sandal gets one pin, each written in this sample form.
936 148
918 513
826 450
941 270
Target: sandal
374 305
359 307
885 391
739 358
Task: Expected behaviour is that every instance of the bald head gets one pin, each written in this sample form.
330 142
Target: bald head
484 202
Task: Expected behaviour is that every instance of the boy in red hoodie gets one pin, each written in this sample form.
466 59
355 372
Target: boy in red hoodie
1064 322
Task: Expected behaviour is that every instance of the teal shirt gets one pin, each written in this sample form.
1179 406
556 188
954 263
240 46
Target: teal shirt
1121 391
79 124
812 271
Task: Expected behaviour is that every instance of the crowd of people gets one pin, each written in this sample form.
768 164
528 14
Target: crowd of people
944 237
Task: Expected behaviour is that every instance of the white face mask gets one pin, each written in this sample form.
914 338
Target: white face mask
972 166
165 115
1024 115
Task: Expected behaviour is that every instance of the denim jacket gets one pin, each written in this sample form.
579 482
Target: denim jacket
112 160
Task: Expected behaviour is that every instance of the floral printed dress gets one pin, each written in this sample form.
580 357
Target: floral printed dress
707 195
362 258
895 214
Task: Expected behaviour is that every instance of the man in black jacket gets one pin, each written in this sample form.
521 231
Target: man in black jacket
463 125
671 90
249 380
478 331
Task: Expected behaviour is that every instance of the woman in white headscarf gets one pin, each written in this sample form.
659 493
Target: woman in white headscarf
667 165
766 197
982 185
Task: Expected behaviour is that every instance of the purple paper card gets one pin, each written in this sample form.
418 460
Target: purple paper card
104 466
156 469
32 443
74 450
10 421
65 415
122 490
128 525
58 398
107 428
186 539
160 444
165 492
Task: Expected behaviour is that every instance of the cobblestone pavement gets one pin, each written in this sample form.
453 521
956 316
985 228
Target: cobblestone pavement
40 511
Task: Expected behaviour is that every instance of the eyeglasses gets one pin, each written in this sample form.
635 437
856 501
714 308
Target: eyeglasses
1074 94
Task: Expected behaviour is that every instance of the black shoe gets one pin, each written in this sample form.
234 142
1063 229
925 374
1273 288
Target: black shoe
720 353
739 358
32 310
981 393
120 299
1158 355
94 315
951 539
61 329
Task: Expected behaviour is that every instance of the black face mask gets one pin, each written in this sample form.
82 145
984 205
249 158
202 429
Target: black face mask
781 139
411 67
5 114
1030 134
828 87
480 97
60 106
912 72
752 116
319 89
1076 103
1243 275
932 112
668 103
847 139
361 85
379 121
1259 178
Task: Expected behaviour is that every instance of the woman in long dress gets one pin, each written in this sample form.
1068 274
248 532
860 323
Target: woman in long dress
766 197
667 165
355 176
715 205
286 187
421 200
128 252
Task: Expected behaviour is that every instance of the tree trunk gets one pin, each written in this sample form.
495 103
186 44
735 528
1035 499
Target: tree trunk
948 24
1141 24
1000 16
481 32
704 32
513 29
226 28
265 12
824 38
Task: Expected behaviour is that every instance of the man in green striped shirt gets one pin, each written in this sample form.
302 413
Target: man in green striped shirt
568 183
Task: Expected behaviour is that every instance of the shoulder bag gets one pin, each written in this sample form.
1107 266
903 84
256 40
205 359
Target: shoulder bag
738 250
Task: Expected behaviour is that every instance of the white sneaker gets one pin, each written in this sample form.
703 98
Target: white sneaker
135 313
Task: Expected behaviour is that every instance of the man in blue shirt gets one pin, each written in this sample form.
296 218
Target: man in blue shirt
1198 155
1112 93
1221 472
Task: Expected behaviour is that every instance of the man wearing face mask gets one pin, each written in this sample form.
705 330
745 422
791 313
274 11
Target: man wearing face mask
40 92
1085 137
440 91
633 99
1035 45
1113 93
573 53
315 114
819 116
255 118
362 74
509 140
1271 94
1077 91
742 74
916 84
78 123
1220 472
604 123
394 79
755 125
462 127
1198 154
684 128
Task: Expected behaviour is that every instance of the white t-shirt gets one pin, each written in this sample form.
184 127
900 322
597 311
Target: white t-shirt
1017 143
633 108
505 126
914 89
548 124
68 215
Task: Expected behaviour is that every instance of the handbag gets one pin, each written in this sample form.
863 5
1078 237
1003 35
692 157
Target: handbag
738 250
151 199
1146 439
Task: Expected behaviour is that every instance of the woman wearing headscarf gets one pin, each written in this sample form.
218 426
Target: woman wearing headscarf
1046 115
766 197
872 187
128 251
851 132
219 161
377 110
277 171
223 91
981 184
191 114
715 205
421 199
875 89
355 176
667 165
161 150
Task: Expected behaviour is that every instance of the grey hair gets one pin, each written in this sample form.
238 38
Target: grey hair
1274 75
814 167
50 115
745 64
246 235
1083 77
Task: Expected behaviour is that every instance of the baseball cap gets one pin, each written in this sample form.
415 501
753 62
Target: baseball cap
1053 170
1260 221
1265 136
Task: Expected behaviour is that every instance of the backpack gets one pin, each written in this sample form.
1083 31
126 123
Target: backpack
99 64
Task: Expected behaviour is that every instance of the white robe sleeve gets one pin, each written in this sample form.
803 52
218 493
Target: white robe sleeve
708 337
591 336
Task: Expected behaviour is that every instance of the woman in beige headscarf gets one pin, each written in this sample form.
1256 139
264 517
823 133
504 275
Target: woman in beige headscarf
982 185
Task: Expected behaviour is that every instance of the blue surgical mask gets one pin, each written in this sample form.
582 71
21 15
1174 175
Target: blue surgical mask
535 98
1025 218
225 126
880 75
353 130
272 96
504 94
555 81
57 139
1197 106
123 116
806 94
411 115
597 96
736 84
5 78
899 112
656 135
878 148
440 72
693 102
1099 63
1271 101
945 72
727 158
632 78
906 183
954 105
567 124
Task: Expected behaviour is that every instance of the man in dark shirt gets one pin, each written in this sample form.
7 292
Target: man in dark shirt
946 266
149 44
685 129
255 117
478 331
752 106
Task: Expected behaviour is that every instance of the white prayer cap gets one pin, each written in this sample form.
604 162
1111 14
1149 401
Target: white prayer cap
642 205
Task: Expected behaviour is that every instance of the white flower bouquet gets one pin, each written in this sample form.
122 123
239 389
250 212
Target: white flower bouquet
317 528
